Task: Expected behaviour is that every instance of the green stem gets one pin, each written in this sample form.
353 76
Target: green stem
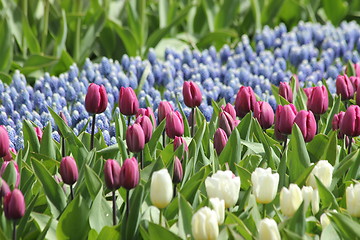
160 216
71 192
63 151
46 25
141 159
164 138
78 30
174 191
284 147
14 230
350 144
114 207
264 211
25 11
193 122
129 120
127 204
92 132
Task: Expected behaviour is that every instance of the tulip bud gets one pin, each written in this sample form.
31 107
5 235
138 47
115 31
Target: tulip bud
324 220
129 174
358 95
161 190
336 123
268 230
5 165
96 99
174 124
146 126
355 82
290 199
63 117
245 101
285 116
112 174
226 122
192 94
344 87
4 189
135 138
323 171
147 112
178 171
218 205
220 140
128 102
352 199
307 124
264 113
308 91
14 205
285 91
39 133
311 196
229 108
318 101
68 170
163 110
178 141
223 185
350 124
265 185
8 156
4 142
204 224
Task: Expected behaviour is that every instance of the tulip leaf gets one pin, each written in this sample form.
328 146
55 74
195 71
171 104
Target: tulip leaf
331 151
304 176
185 120
113 232
47 146
25 218
111 152
194 149
327 198
334 110
354 170
185 216
343 166
42 221
297 223
10 175
345 225
245 177
93 182
232 151
100 212
30 136
316 147
282 171
158 232
350 70
156 136
245 127
300 101
240 226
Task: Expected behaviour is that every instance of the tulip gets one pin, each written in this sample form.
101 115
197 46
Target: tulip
336 123
4 142
8 156
324 220
229 108
318 101
268 230
96 99
135 138
356 68
344 87
226 122
146 126
355 82
192 94
350 124
204 224
358 95
308 91
163 110
147 112
323 170
4 189
39 133
264 113
161 190
112 174
290 199
178 141
178 171
218 205
307 124
311 196
14 205
220 140
69 172
285 116
129 174
285 91
17 172
174 124
128 102
63 117
223 185
352 199
265 185
245 101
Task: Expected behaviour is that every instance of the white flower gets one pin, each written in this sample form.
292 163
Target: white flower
218 206
323 171
268 230
161 189
204 224
290 199
324 220
223 185
311 195
265 184
353 199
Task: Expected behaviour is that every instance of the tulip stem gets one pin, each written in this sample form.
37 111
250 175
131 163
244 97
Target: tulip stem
164 138
14 230
350 144
71 192
193 122
129 120
141 159
114 207
174 191
92 132
160 217
264 211
284 147
127 204
63 152
317 119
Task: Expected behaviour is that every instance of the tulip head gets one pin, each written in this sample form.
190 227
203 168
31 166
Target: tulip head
4 189
265 185
245 101
226 122
285 116
161 189
39 133
355 81
290 199
229 108
9 156
178 171
336 123
68 170
358 95
192 94
4 142
135 138
129 174
14 205
285 91
220 140
146 125
352 199
268 229
204 224
178 141
163 110
112 174
128 102
318 101
96 99
218 205
264 113
344 87
174 124
350 123
323 171
307 124
11 166
147 112
311 196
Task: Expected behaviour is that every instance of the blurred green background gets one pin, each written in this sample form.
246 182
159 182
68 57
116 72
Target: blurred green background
50 35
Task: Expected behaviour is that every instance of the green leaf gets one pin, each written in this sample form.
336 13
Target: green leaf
297 223
30 38
349 228
127 37
335 10
156 136
226 16
231 219
350 70
185 215
304 176
47 146
10 175
110 233
37 62
30 136
245 176
232 150
100 213
334 110
6 43
158 232
331 152
218 36
93 182
327 198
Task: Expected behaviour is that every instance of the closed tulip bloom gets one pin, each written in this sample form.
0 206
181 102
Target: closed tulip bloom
350 124
318 101
192 94
229 108
5 165
63 117
178 141
290 199
336 123
226 122
218 205
323 171
4 142
223 185
264 113
68 170
245 101
39 133
355 81
129 174
358 95
264 184
220 140
285 116
14 205
352 199
112 174
135 138
96 99
128 102
146 126
311 196
204 224
268 230
285 91
8 156
344 87
163 110
147 112
4 189
161 189
307 124
178 171
308 91
174 124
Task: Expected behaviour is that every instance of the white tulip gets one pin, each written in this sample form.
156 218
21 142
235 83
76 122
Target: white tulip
204 224
265 185
323 171
268 230
324 220
311 195
218 205
223 185
161 189
290 199
353 199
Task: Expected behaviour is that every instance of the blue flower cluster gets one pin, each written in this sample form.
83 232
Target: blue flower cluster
312 51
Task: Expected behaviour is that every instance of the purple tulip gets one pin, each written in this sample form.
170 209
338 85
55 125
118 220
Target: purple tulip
285 91
355 82
96 99
226 122
285 116
336 123
3 169
174 124
129 174
4 141
8 156
68 170
318 101
4 189
128 102
350 124
307 124
358 96
178 171
264 113
245 101
220 140
178 141
308 91
147 112
14 205
344 87
163 110
39 133
229 108
112 174
135 138
146 125
192 94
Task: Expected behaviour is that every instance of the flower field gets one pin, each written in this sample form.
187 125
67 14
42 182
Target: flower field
256 139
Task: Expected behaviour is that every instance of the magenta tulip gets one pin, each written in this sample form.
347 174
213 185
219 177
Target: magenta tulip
174 124
285 116
146 125
350 123
135 138
229 108
245 101
285 91
39 133
308 91
68 170
129 174
14 205
318 101
8 156
220 140
178 141
96 99
128 102
226 122
264 113
147 112
4 189
344 87
178 171
358 96
112 174
4 142
307 124
355 82
163 110
192 94
336 123
5 165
